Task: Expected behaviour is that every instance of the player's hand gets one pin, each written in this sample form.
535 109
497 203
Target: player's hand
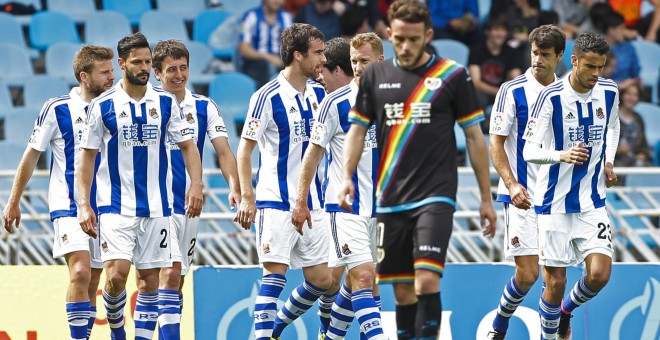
234 199
610 176
575 155
11 217
299 215
87 219
519 196
346 195
194 201
488 215
247 210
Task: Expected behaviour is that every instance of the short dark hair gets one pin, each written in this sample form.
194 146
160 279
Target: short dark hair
131 42
410 11
351 21
169 48
338 53
590 42
548 36
86 56
612 20
297 38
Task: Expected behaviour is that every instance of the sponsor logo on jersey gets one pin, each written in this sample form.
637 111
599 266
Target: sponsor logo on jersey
315 106
319 132
220 128
389 86
420 113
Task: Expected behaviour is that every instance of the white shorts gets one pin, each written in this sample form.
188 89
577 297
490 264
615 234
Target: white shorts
70 237
145 241
567 239
521 232
353 240
183 235
279 242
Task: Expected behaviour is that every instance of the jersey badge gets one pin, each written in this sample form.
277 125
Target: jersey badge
345 249
265 248
104 247
515 242
600 113
189 118
65 239
432 83
79 121
153 113
315 106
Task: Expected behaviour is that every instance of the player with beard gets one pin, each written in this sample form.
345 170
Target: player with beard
60 125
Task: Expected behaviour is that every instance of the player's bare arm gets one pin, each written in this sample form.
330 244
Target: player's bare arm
311 159
518 193
476 146
353 146
247 210
194 196
11 216
86 215
229 169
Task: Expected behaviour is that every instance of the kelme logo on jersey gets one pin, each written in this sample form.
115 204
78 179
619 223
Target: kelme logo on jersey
432 83
415 113
153 113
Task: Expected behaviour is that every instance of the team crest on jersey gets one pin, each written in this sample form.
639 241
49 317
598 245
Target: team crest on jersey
265 248
189 118
65 239
432 83
315 106
153 113
515 242
600 113
345 249
104 247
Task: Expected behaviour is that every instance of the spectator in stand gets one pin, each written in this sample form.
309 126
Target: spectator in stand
522 19
626 69
456 19
259 44
631 10
324 15
572 14
492 62
353 22
294 5
633 148
371 11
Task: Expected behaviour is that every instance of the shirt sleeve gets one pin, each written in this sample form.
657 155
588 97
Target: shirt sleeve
92 137
465 103
362 112
326 126
503 113
45 128
216 125
538 124
613 132
248 27
259 114
178 129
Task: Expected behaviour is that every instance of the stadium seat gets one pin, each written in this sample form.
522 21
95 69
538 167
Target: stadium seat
205 23
188 10
239 7
132 9
19 126
40 88
200 57
232 92
568 51
651 115
16 66
461 143
452 49
47 28
649 63
388 49
106 28
59 63
77 10
6 104
484 9
12 152
152 25
12 32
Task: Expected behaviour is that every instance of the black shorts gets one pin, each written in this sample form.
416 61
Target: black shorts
414 239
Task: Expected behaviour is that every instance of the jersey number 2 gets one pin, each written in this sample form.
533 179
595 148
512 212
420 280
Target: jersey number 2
163 242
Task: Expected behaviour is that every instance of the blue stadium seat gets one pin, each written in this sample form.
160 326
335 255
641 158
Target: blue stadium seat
200 57
77 10
651 115
188 10
12 32
656 154
461 143
132 9
232 92
106 28
40 88
47 28
452 49
19 126
16 66
6 103
152 25
484 9
240 7
12 152
568 51
388 49
59 61
649 63
205 23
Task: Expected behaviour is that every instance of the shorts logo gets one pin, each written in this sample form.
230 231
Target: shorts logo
65 239
153 113
515 242
345 249
265 248
315 106
104 247
600 113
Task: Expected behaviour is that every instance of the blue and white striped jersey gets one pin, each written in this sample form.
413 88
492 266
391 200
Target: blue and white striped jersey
561 119
511 110
61 124
279 119
261 35
203 116
132 178
330 132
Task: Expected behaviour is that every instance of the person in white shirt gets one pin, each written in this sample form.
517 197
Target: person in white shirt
171 60
279 120
129 125
60 125
513 105
353 232
574 132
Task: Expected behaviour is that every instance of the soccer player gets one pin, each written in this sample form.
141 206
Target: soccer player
171 61
511 110
415 100
129 124
353 232
279 119
61 124
574 132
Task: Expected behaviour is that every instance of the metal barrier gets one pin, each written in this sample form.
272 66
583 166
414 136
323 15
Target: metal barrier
634 211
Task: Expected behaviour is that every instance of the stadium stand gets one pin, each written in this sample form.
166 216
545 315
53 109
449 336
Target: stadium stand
12 32
651 115
77 10
566 58
205 23
151 25
6 102
232 92
239 7
47 28
649 63
388 49
40 88
105 28
200 58
452 49
132 9
188 10
16 66
58 57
